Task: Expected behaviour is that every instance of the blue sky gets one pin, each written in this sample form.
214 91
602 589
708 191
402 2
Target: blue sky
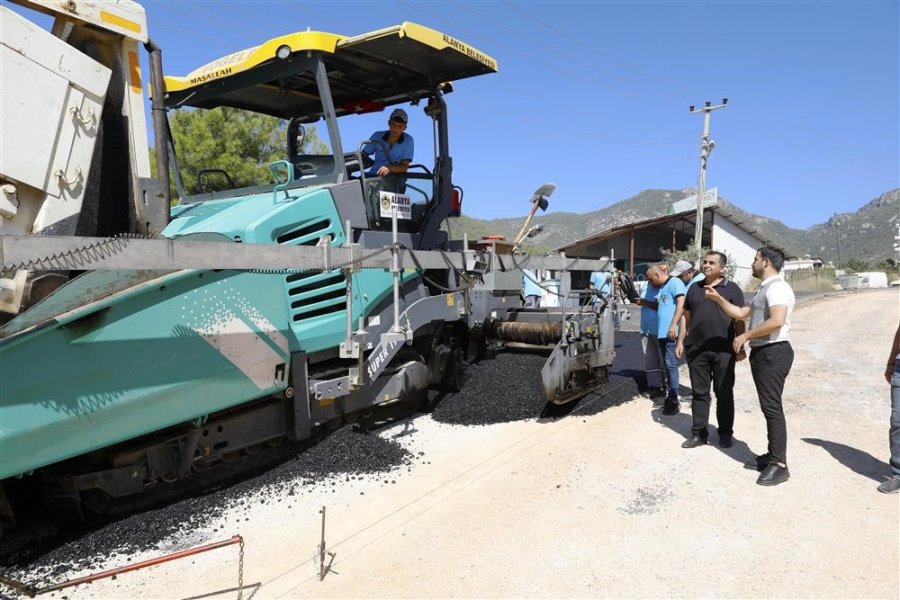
594 96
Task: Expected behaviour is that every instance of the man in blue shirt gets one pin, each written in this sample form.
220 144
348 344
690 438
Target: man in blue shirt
392 152
649 343
530 289
669 307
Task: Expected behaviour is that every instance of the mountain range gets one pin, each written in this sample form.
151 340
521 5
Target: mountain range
866 235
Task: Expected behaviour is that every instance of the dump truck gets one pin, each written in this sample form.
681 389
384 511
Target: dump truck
75 149
258 317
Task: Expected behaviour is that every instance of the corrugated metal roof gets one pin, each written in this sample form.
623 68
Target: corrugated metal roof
723 210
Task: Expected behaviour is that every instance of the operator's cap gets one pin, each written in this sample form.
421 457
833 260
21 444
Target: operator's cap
680 267
400 115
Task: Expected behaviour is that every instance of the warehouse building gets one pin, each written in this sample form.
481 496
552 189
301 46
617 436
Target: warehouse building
635 246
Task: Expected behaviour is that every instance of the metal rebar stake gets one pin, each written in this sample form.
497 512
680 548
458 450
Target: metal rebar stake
322 548
322 551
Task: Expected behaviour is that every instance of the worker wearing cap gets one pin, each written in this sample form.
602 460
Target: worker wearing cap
393 149
687 273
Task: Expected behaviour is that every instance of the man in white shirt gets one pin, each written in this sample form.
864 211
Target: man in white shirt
771 355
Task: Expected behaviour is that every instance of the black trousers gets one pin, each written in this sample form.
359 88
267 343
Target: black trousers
715 369
770 365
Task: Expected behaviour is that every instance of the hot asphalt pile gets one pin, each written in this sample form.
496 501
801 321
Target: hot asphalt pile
501 389
348 453
507 387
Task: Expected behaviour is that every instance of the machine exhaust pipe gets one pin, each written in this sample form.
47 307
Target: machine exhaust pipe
160 129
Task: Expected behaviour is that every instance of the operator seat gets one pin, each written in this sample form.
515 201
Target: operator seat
313 164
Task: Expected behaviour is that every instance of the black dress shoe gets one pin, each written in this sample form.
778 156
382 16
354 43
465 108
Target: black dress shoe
773 475
670 408
694 442
725 441
757 464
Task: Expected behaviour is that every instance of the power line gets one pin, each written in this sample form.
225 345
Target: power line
181 7
571 57
567 36
520 35
597 77
191 32
640 186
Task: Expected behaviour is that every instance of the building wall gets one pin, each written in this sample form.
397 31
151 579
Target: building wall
739 245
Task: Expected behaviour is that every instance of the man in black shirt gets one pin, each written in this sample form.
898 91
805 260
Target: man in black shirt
709 353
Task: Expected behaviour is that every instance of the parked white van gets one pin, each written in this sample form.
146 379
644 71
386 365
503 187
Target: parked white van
872 279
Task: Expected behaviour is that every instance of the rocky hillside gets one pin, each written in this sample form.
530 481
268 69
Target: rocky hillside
866 235
562 228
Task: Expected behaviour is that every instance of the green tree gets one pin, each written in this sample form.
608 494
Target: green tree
241 143
888 264
855 265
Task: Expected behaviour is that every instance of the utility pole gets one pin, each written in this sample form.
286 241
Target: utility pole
837 239
706 148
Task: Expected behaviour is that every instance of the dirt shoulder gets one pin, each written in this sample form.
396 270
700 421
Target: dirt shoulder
600 505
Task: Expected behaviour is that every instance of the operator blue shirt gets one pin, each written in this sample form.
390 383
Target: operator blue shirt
402 150
670 290
600 281
649 318
529 285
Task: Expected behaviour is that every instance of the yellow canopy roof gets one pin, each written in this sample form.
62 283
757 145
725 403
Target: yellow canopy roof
366 72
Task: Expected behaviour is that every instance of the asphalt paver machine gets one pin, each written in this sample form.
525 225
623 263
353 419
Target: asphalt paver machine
264 314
